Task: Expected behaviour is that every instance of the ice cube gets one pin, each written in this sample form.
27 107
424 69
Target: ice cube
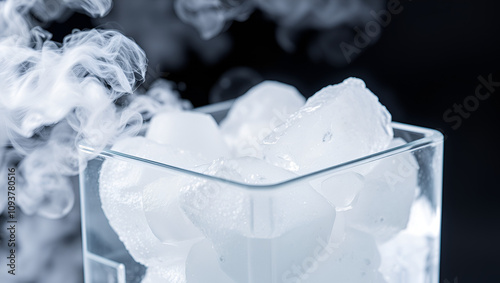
341 190
254 115
337 124
257 233
120 189
405 259
191 131
355 260
424 219
383 205
407 256
170 273
202 265
339 229
166 219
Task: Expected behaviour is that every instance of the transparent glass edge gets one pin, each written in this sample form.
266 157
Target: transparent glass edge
431 138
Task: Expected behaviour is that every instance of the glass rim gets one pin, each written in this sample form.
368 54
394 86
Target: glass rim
430 137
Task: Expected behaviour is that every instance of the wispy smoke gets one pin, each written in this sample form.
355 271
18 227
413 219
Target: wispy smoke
160 97
49 10
169 42
49 251
18 17
55 95
332 20
173 32
318 14
210 16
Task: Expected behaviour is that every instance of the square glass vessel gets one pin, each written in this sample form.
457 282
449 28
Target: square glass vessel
394 238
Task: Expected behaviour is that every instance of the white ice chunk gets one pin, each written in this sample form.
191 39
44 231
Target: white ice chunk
166 219
424 219
121 184
257 233
339 229
342 190
202 265
407 256
191 131
337 124
169 273
383 206
254 115
355 260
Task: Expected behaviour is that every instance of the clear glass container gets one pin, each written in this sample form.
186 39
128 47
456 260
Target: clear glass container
393 237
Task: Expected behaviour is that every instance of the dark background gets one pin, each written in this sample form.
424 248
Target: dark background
427 59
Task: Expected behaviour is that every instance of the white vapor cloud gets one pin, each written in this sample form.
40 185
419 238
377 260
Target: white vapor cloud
55 95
